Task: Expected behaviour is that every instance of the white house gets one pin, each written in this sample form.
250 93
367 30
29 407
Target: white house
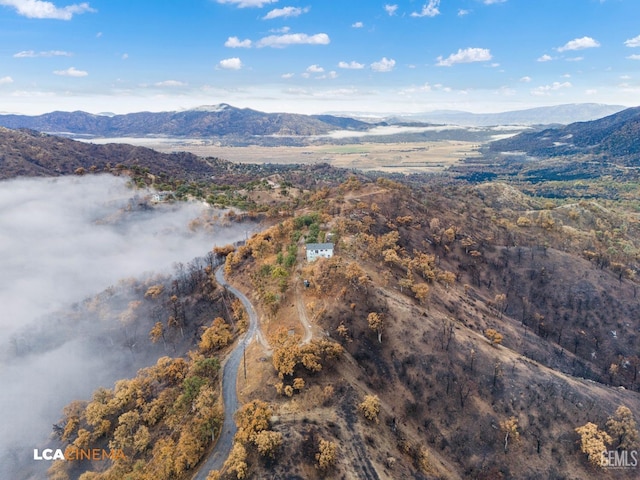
316 250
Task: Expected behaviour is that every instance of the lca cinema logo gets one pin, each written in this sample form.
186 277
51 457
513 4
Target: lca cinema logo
73 454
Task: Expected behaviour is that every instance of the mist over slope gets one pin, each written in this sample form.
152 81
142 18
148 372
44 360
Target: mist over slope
61 241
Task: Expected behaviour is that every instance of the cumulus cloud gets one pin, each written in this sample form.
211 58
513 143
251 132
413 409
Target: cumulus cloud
33 54
62 241
579 44
71 72
315 69
462 12
170 83
468 55
357 25
633 42
5 80
287 75
281 41
547 89
285 12
235 42
390 9
247 3
634 57
525 79
428 9
545 58
230 64
40 9
383 65
352 65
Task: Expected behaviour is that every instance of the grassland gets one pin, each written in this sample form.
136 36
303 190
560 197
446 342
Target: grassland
390 157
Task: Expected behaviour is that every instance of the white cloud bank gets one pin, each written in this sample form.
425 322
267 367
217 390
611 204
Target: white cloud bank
40 9
468 55
61 241
285 12
579 44
281 41
383 65
428 9
71 72
230 64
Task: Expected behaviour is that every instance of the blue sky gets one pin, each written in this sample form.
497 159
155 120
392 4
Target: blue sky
318 55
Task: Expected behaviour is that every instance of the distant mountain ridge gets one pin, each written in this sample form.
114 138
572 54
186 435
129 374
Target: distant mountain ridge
558 114
223 120
207 121
616 135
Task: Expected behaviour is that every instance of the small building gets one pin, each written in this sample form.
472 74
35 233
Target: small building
317 250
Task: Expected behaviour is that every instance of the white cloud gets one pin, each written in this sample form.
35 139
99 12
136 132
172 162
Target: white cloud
5 80
281 41
235 42
545 58
50 53
462 12
492 2
384 65
468 55
285 12
287 75
247 3
391 9
170 83
547 89
315 69
41 9
352 65
591 91
579 44
634 57
71 72
575 59
525 79
230 63
357 25
633 42
428 9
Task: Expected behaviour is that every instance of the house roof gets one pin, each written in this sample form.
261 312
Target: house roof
319 246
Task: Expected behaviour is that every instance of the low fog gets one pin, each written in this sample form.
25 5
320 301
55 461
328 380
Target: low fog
62 241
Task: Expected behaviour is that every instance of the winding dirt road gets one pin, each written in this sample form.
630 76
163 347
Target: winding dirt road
222 449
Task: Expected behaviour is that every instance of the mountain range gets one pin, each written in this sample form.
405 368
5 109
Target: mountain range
557 114
612 136
208 121
227 121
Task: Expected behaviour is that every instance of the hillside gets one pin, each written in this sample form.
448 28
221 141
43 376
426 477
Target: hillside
440 267
461 330
214 121
612 138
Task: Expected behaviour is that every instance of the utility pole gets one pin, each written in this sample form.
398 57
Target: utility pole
244 360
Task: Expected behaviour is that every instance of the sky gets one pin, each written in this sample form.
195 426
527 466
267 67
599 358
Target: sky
317 56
